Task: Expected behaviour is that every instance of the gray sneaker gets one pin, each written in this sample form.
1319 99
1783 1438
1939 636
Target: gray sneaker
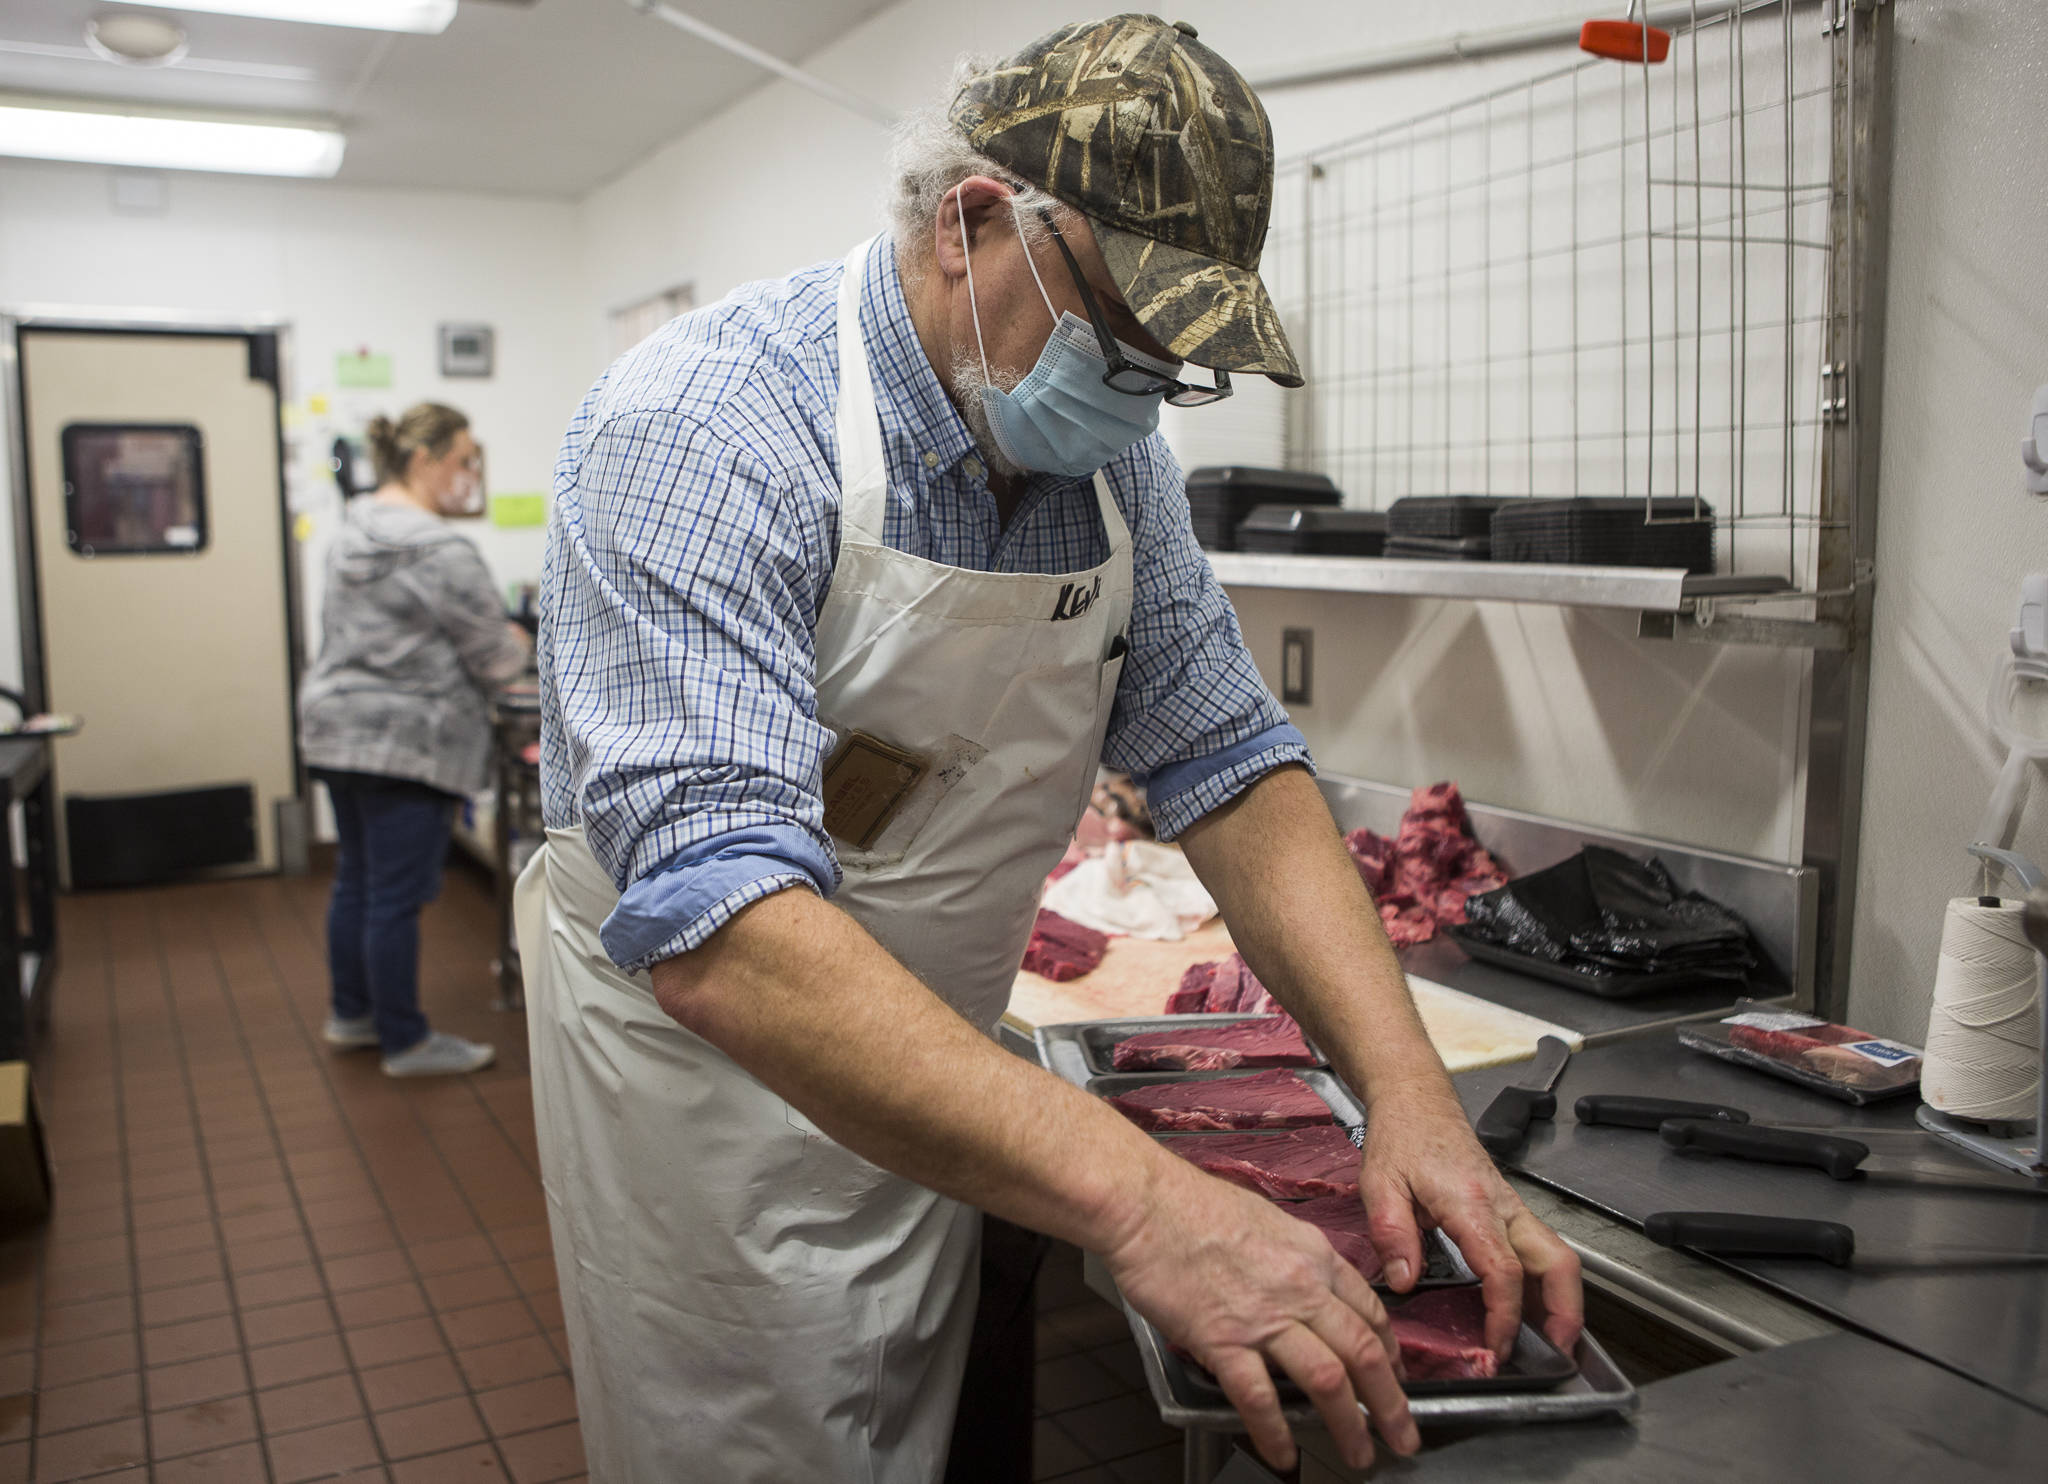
440 1055
350 1035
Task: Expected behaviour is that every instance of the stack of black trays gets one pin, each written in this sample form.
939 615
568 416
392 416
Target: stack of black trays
1220 496
1313 530
1606 533
1444 528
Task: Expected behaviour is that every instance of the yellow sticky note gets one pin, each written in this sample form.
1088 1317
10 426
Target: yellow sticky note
317 405
302 528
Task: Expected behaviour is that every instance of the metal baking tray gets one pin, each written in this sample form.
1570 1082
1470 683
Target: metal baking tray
1080 1049
1343 1107
1598 1390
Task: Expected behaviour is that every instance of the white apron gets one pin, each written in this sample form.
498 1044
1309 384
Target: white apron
746 1299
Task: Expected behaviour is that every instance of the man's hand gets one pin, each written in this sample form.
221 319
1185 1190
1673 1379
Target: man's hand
1424 1167
1236 1283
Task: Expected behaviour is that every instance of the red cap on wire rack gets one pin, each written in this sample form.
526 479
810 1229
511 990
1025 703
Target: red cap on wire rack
1625 41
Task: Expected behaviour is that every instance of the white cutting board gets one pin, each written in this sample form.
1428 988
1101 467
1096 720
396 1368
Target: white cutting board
1136 975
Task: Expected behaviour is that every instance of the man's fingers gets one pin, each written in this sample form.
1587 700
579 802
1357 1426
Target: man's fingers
1365 1343
1320 1371
1553 1273
1390 1212
1242 1374
1358 1296
1483 1239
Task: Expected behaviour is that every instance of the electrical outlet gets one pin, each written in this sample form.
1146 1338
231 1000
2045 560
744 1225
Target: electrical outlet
1297 665
2034 447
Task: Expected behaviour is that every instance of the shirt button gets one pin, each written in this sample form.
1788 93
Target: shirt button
931 460
973 467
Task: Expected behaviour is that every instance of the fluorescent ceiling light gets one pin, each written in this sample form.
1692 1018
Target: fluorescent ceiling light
428 17
167 143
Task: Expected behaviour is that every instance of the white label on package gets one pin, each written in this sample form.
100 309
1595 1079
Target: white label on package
1774 1020
1889 1053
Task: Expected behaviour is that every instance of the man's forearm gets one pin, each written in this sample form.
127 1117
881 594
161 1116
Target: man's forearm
1303 920
797 993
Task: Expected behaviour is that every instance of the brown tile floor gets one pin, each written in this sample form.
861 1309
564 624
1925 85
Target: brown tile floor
272 1263
268 1262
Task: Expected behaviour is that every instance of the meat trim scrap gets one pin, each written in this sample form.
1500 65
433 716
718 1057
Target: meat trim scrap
1269 1041
1061 950
1422 877
1271 1099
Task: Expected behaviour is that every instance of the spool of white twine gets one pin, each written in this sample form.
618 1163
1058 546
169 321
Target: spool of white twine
1984 1030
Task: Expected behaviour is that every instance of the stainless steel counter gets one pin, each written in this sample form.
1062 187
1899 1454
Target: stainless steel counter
1838 1408
1990 1326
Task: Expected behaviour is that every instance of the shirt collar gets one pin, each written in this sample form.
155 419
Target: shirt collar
918 418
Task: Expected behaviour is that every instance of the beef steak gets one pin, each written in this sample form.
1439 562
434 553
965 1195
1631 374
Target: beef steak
1442 1332
1342 1219
1296 1165
1271 1099
1269 1041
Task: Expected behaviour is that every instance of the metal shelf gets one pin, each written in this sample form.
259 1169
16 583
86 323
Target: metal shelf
1639 589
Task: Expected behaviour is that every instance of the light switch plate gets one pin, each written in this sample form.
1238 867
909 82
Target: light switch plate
1297 666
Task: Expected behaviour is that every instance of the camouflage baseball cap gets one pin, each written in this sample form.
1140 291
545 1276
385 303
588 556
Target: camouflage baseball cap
1163 145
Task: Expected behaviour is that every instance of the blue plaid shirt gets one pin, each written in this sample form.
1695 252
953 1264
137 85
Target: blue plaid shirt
690 548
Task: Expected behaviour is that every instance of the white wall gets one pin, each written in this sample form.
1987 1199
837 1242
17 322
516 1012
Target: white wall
1966 345
1565 714
346 269
1558 712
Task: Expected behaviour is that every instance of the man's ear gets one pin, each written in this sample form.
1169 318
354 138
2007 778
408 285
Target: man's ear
980 205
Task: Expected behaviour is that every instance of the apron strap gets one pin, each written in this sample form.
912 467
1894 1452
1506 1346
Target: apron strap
863 469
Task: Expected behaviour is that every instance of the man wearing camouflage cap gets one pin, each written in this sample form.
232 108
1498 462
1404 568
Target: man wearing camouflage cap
852 579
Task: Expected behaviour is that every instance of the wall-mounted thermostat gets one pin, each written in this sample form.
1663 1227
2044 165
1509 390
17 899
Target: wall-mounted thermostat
466 350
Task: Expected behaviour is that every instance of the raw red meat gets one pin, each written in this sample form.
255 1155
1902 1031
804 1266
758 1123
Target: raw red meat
1281 1167
1224 986
1342 1219
1274 1099
1269 1041
1422 877
1442 1332
1061 950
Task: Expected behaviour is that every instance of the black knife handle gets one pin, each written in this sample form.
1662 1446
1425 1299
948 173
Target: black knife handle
1734 1235
1767 1145
1620 1110
1505 1123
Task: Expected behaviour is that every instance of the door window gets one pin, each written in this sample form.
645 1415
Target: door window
134 489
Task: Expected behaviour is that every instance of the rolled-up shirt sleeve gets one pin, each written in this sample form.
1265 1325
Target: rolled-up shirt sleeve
1193 720
677 654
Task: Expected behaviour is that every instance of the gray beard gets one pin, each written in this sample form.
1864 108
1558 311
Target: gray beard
968 382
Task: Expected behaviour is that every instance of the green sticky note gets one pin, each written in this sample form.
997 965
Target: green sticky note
365 370
519 510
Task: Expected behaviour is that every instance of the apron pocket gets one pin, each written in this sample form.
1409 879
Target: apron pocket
951 762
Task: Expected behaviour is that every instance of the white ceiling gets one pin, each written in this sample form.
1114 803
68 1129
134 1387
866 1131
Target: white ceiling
531 97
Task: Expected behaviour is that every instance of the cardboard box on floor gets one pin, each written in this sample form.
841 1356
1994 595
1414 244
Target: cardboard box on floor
24 1160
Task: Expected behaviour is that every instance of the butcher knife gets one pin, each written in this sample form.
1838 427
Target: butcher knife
1842 1158
1505 1123
1627 1110
1733 1234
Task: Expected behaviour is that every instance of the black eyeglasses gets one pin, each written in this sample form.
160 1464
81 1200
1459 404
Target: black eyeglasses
1122 376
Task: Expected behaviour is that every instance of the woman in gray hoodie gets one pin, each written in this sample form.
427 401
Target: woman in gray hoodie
394 717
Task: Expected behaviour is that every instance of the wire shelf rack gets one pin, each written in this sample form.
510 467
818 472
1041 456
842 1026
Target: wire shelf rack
1618 279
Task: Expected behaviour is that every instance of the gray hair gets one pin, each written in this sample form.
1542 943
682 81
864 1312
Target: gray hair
928 156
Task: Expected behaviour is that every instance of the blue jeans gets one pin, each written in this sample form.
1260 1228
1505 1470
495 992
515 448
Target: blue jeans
394 839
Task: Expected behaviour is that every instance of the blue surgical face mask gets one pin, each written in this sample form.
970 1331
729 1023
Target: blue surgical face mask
1061 418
